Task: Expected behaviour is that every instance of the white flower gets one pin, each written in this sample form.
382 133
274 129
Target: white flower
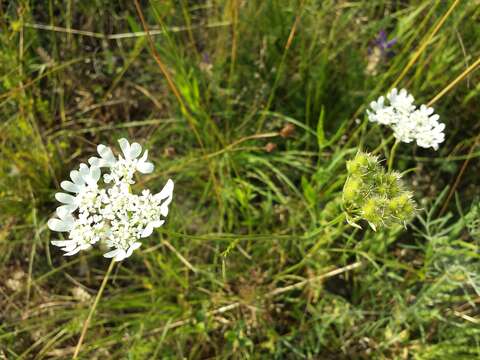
430 131
401 100
114 215
137 217
376 106
404 131
81 235
131 152
84 186
107 159
384 116
408 123
123 168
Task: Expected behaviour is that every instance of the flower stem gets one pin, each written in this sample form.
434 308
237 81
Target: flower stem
92 310
383 144
392 155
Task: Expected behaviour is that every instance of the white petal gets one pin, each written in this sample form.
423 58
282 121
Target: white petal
94 161
59 225
93 175
68 218
144 156
111 254
65 198
145 167
64 210
63 243
106 153
135 150
132 248
73 252
166 191
164 208
120 255
157 223
147 231
135 246
70 186
125 146
75 176
84 170
71 246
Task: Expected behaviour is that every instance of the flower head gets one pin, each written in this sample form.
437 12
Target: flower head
408 122
112 215
374 195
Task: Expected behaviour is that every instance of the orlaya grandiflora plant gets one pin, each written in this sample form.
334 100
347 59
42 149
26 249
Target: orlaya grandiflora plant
111 214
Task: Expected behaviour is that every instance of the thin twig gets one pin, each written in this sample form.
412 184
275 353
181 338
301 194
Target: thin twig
92 310
239 141
467 317
180 256
121 35
301 284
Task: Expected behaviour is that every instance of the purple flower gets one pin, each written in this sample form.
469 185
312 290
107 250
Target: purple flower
383 44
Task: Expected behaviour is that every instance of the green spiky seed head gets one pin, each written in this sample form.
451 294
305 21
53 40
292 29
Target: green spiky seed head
358 165
375 195
352 189
373 164
402 207
387 184
372 211
393 182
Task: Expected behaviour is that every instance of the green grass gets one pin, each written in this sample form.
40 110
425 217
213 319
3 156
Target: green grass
246 223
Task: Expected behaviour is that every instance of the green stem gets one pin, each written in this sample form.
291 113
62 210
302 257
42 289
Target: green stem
392 155
92 310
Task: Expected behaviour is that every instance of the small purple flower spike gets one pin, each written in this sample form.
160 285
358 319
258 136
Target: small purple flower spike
381 42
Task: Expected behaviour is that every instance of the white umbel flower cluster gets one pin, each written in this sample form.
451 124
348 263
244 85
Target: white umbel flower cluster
112 215
408 122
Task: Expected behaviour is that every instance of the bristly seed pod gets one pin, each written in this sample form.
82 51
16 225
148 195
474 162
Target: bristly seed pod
374 195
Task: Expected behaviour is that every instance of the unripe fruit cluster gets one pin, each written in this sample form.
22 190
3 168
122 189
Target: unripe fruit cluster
375 195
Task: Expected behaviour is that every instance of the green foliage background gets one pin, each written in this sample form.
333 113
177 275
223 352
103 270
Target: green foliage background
255 204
